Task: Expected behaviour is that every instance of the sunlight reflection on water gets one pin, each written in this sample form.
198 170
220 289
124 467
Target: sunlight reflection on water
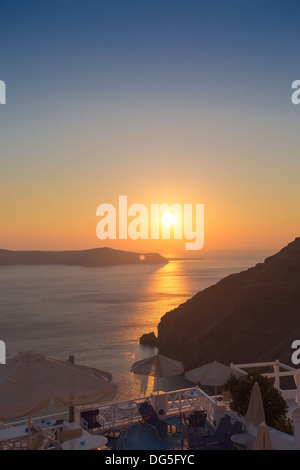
99 314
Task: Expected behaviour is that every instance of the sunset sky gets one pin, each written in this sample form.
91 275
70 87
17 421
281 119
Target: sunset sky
163 101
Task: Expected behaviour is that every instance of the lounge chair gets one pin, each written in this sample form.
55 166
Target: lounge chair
150 418
227 444
198 442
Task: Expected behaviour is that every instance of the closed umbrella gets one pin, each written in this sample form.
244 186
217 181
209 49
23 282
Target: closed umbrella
255 413
213 374
30 382
263 439
157 366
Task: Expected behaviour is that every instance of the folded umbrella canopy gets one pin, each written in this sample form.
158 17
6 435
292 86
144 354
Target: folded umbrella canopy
30 382
158 366
255 412
263 439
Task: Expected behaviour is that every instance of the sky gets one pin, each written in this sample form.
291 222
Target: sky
164 101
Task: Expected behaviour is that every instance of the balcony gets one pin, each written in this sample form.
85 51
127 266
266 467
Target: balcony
122 424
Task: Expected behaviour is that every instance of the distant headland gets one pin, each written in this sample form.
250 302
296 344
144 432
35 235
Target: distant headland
91 257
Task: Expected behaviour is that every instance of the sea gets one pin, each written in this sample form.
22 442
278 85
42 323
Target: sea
98 314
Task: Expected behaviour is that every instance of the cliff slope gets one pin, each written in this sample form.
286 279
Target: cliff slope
246 317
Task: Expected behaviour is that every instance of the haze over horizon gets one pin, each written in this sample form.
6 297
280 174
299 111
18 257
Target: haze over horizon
163 101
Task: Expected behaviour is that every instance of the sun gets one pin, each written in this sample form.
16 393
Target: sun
168 219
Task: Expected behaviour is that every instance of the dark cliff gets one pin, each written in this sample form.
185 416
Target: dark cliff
93 257
246 317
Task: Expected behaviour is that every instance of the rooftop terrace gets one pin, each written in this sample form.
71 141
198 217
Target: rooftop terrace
121 425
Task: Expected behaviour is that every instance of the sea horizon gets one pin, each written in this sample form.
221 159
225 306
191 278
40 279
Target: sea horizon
99 314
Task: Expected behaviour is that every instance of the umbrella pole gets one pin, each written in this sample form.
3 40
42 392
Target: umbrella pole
29 432
71 408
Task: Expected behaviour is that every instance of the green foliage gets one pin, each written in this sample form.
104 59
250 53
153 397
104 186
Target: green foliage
274 405
285 425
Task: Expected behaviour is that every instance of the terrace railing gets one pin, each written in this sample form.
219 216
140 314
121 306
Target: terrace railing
280 370
113 415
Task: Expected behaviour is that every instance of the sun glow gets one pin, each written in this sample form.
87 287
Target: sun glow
168 219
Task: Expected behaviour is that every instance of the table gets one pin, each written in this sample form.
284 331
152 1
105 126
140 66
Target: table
192 394
22 430
85 442
128 408
242 440
44 423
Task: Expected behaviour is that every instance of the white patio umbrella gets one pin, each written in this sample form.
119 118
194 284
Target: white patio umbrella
263 439
97 373
157 366
30 382
214 374
255 412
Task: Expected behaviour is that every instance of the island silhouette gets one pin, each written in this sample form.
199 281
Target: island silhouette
91 257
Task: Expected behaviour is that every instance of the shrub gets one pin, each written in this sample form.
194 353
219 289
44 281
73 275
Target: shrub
285 425
274 405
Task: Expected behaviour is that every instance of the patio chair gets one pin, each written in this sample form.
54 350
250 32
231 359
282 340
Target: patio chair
150 418
198 442
192 422
227 444
113 436
197 420
90 421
